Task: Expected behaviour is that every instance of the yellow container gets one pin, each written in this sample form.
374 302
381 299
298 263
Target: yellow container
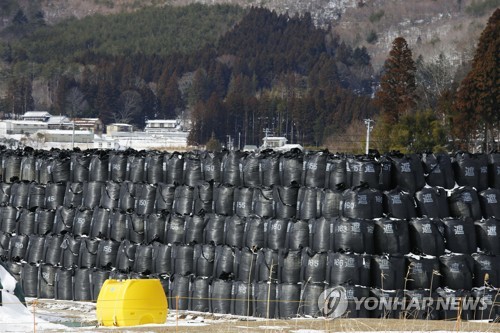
131 302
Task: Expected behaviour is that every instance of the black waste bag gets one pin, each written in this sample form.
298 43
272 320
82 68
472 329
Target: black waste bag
320 230
60 168
110 194
179 292
118 230
136 168
182 259
494 169
204 259
125 256
214 229
388 271
408 172
459 235
73 196
44 221
118 164
288 296
34 252
99 227
70 251
11 165
399 204
362 169
250 170
46 281
487 235
64 219
220 296
432 202
289 266
144 259
423 272
19 194
224 262
276 232
8 219
254 232
36 197
265 299
81 283
242 298
457 271
263 203
245 262
266 268
126 201
174 167
175 229
223 199
489 200
362 202
471 170
82 221
347 267
314 169
106 253
192 169
80 164
198 294
88 253
421 304
455 297
330 201
183 199
391 236
98 277
291 165
310 294
164 197
211 166
308 203
438 170
54 195
153 167
162 259
4 244
313 266
230 169
63 288
297 235
99 166
52 249
353 235
390 303
353 294
194 226
5 192
28 168
92 194
42 165
464 202
29 279
203 197
336 171
135 227
270 167
489 309
18 247
486 270
234 231
155 227
285 200
25 222
427 236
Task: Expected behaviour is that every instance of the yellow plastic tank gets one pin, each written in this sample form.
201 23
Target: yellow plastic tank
131 302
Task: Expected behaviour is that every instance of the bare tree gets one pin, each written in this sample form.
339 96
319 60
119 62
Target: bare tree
76 104
130 106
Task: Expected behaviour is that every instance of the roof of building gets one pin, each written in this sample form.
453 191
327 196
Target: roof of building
58 120
36 114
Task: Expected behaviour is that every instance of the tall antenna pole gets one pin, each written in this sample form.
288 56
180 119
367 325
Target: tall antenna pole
368 123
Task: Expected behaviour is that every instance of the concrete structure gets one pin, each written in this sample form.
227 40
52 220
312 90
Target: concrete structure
9 127
67 136
119 128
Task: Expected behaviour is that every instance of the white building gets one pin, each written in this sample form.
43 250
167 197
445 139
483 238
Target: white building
36 116
10 127
159 126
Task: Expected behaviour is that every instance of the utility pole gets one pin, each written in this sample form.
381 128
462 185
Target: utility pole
369 127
